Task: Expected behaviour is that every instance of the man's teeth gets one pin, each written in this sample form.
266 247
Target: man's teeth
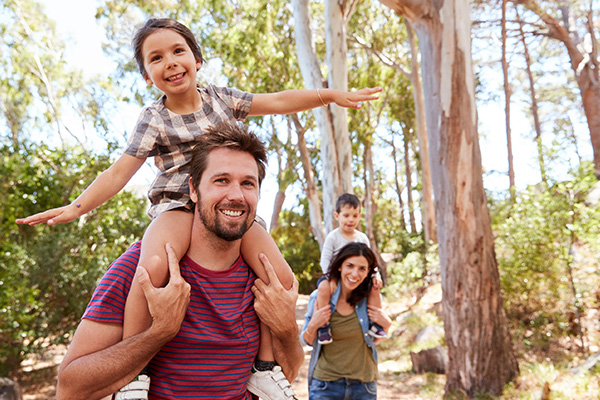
232 213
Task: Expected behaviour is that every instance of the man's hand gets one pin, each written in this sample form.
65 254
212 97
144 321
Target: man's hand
276 308
273 304
167 305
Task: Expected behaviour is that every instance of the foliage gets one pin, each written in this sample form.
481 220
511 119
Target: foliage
536 240
299 247
47 274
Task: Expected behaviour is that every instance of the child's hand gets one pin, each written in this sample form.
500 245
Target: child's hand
52 217
377 282
354 99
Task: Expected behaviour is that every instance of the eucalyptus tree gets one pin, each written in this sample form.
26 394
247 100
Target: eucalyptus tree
573 24
479 344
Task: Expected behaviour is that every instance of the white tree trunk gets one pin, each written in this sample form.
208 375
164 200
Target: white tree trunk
337 62
311 74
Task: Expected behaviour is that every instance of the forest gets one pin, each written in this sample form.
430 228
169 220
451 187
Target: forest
477 169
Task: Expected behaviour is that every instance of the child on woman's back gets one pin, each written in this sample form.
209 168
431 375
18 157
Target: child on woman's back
169 57
347 213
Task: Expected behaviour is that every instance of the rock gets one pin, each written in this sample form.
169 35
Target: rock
9 390
430 360
429 333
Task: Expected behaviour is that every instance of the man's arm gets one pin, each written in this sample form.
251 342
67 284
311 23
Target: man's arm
276 307
98 362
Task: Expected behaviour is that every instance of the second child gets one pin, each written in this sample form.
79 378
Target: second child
347 213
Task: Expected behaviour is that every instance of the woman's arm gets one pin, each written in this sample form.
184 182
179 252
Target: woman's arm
105 186
292 101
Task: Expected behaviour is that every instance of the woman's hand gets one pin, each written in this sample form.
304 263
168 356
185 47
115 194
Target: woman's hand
378 316
319 318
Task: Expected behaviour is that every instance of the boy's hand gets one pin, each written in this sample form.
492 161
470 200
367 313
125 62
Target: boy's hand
354 99
377 282
52 217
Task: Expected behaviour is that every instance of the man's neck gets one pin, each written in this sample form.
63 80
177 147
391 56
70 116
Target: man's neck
210 251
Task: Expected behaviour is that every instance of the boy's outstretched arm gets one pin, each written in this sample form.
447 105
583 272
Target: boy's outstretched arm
105 186
292 101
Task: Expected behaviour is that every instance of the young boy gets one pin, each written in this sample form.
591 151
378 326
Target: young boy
347 213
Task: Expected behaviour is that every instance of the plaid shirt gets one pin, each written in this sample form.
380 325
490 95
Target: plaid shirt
170 137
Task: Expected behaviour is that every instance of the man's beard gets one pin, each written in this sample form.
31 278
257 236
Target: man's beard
217 227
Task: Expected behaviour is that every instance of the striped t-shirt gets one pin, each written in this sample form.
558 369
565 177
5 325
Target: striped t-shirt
212 355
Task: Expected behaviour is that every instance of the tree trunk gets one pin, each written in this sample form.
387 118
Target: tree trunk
371 206
397 184
481 357
427 207
507 93
337 63
534 105
312 193
585 67
409 186
277 206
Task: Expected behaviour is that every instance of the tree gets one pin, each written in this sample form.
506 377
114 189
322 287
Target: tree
479 344
583 58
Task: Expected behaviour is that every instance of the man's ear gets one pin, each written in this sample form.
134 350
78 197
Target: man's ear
193 194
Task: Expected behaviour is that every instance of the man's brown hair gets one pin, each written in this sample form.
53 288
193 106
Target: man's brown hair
230 136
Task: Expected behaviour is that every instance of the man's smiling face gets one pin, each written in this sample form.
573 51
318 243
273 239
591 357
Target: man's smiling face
228 193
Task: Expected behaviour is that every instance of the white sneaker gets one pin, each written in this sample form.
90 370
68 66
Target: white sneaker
271 385
137 389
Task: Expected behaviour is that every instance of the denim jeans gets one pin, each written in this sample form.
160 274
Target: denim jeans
342 389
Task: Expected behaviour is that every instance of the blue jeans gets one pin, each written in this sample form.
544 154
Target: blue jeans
342 389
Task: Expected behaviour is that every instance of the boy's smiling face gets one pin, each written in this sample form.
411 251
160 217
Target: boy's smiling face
348 218
169 62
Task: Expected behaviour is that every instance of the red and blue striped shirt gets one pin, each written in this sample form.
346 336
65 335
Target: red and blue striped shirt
212 355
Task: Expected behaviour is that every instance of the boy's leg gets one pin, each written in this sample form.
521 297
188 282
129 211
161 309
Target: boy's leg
172 227
267 380
257 240
374 299
323 298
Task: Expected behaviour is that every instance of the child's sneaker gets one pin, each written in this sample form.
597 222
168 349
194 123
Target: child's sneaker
377 331
271 385
137 389
324 335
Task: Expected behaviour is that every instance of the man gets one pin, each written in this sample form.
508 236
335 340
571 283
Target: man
204 348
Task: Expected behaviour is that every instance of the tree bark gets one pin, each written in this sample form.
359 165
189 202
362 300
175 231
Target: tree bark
409 186
427 207
481 357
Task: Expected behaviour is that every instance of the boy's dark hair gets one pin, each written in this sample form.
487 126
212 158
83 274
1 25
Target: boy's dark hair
154 24
353 249
347 199
231 136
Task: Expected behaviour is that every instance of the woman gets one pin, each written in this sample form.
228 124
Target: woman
347 367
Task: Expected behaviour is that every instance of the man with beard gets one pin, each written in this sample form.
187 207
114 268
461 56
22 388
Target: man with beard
204 333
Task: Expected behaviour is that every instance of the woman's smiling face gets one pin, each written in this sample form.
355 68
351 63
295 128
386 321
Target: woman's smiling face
353 272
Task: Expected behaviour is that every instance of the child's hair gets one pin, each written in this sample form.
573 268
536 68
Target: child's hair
347 199
154 24
353 249
231 136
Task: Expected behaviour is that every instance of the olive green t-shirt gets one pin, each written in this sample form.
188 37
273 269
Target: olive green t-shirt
348 356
